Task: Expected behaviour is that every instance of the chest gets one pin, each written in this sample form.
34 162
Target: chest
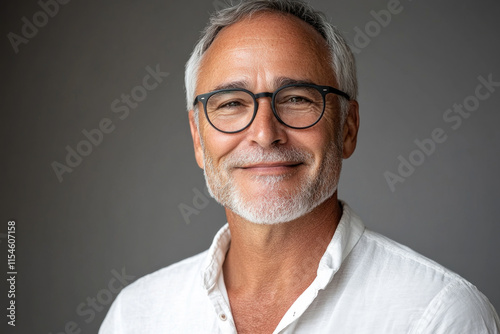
256 317
259 314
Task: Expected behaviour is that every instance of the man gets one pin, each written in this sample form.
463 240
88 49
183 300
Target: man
271 89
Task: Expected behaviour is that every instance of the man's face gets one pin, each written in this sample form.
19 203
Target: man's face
269 173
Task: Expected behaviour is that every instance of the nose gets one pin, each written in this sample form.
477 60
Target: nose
265 129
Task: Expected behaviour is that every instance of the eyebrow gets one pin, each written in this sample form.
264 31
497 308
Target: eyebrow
277 82
232 85
283 81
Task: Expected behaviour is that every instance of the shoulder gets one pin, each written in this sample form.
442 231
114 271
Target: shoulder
152 301
407 260
444 301
393 271
458 308
161 289
175 276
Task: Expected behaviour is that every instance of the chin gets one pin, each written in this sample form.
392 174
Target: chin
273 209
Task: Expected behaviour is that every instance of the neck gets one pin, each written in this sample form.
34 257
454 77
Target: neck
279 258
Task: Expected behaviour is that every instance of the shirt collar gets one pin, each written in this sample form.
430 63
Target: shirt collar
212 266
346 236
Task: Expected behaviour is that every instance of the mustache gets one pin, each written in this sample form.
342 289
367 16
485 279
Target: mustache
259 155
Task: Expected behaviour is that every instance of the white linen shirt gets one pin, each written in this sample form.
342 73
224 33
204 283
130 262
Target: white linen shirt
365 283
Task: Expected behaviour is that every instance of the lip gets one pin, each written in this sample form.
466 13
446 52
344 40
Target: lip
271 167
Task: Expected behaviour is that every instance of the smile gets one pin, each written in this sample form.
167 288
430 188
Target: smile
271 168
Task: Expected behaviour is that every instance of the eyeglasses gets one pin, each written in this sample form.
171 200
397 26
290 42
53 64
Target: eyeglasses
298 106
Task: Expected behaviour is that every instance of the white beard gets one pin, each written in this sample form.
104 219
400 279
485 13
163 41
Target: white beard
276 205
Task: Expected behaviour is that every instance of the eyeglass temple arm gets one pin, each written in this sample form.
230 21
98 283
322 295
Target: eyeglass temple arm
336 91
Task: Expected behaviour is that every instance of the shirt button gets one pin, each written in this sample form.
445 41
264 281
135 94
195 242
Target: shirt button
222 317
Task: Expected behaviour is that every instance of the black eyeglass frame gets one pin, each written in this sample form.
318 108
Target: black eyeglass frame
323 90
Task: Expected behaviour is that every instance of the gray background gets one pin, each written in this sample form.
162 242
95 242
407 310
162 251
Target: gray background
120 207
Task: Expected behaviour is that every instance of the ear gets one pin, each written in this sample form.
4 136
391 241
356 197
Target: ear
351 127
198 151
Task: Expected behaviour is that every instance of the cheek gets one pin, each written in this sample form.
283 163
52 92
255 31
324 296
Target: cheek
320 141
217 144
314 140
332 118
332 109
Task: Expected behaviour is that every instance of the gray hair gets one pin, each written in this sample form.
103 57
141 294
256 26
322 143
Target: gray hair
342 59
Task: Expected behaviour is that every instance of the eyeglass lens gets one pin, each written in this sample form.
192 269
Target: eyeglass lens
296 106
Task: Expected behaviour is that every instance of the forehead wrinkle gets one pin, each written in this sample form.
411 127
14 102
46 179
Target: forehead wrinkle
232 84
283 81
274 84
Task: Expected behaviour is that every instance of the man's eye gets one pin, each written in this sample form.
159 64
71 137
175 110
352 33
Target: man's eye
297 99
230 104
